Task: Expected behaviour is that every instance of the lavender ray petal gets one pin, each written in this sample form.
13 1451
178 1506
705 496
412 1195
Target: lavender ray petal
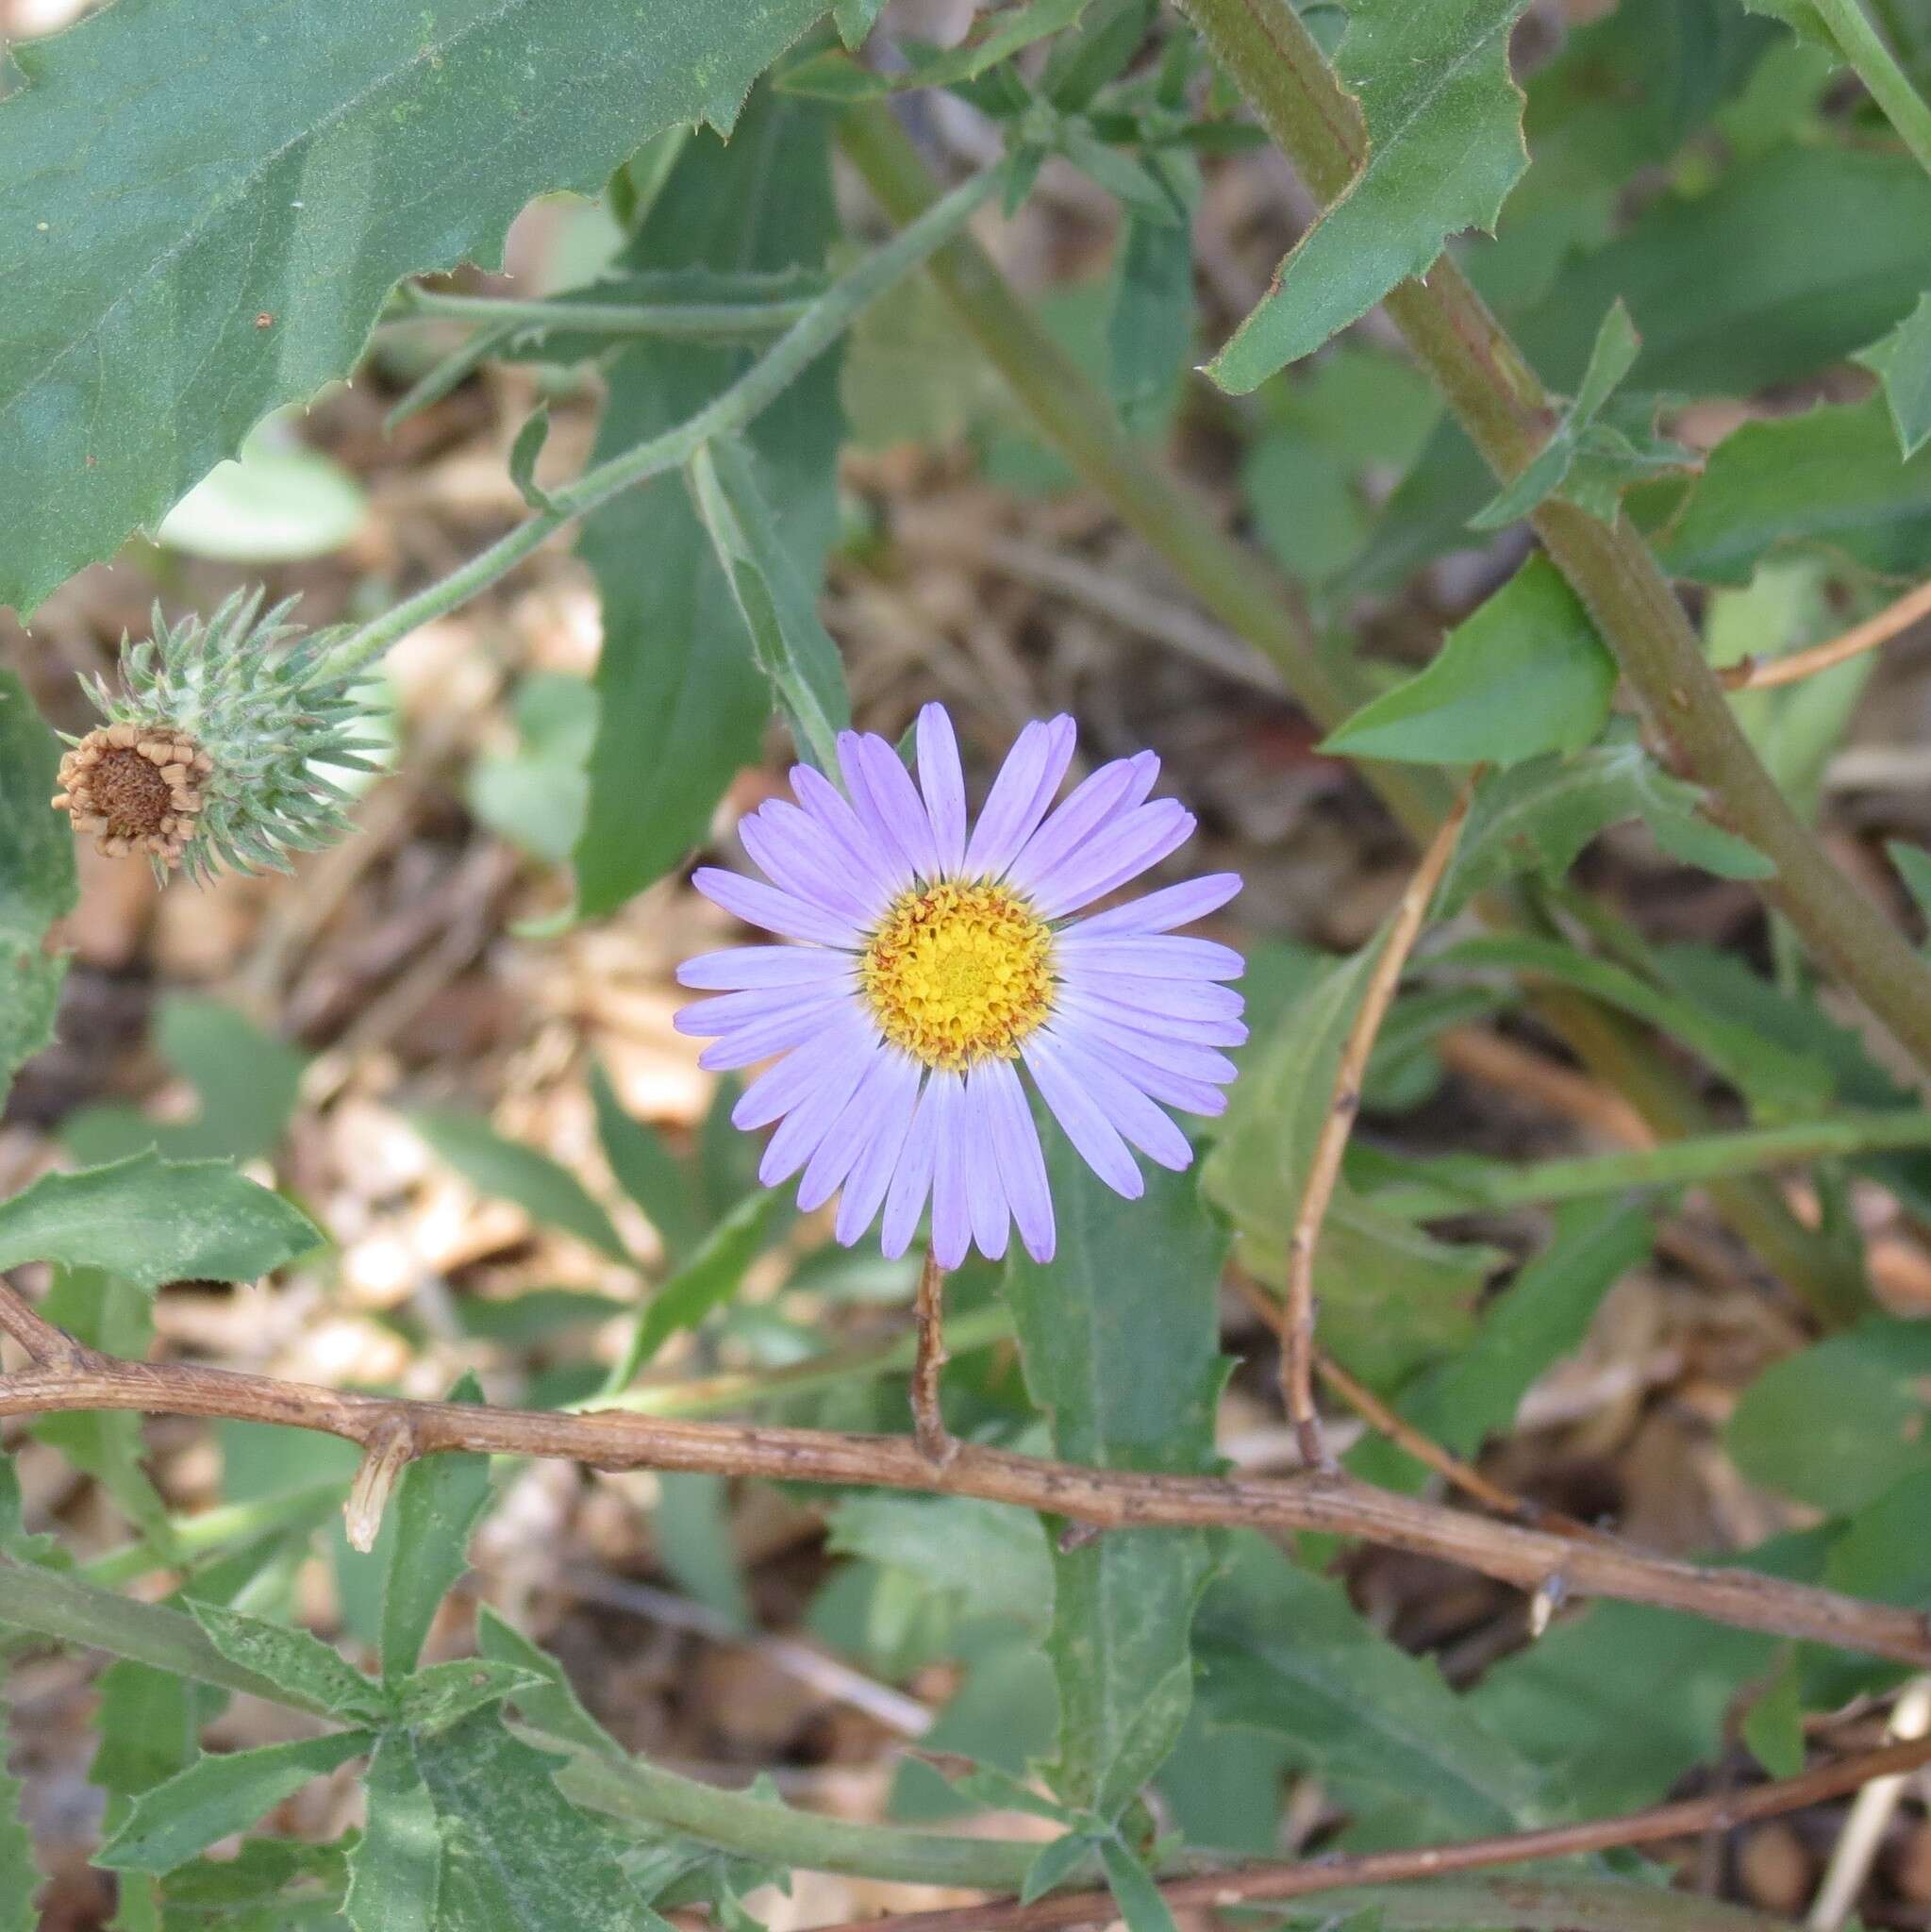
1120 853
803 1130
911 1179
1185 999
1021 1166
776 911
881 823
1125 1106
952 1225
1170 907
943 782
896 800
1187 1091
1109 1012
1086 811
1093 1136
845 1139
792 852
778 1090
1020 795
881 867
727 1012
872 1173
740 969
1152 956
986 1202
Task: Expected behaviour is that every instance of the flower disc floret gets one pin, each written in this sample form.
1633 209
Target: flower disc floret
959 973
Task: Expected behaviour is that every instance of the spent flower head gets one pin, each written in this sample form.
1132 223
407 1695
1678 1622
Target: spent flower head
215 751
934 959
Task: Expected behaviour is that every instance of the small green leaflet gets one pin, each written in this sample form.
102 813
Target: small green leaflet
548 1194
1526 674
1444 147
646 1170
1141 1902
152 1220
443 1694
296 1659
1589 462
437 1504
37 879
219 1794
549 1701
1150 324
779 608
195 257
396 1872
834 77
1902 362
1773 1727
20 1878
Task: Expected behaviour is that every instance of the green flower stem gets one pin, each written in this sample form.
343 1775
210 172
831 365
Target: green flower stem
1467 1186
1502 405
71 1611
824 320
714 1396
694 320
209 1530
1884 79
1226 578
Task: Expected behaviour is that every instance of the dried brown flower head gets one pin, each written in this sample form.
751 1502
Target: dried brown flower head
134 791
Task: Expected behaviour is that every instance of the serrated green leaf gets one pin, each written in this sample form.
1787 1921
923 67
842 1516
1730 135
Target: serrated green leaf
1391 1296
1836 1424
396 1872
437 1504
20 1877
1586 460
297 1659
647 1171
779 608
151 1220
1829 481
524 453
518 1856
549 1701
247 1081
433 1698
1803 19
1444 147
550 1194
683 704
1884 1553
1526 674
1282 1651
14 1539
267 223
216 1795
711 1277
1118 1338
855 19
1902 362
269 1885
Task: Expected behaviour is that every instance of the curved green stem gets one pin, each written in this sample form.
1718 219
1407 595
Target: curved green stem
824 320
1467 1186
1884 79
1502 405
697 321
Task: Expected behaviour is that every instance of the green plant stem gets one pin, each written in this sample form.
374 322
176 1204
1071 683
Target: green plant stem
1174 522
1466 1185
209 1530
1884 79
1503 406
824 320
693 321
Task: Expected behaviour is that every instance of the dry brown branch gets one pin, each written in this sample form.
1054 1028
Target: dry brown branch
65 1377
1297 1332
1722 1811
928 1417
1754 675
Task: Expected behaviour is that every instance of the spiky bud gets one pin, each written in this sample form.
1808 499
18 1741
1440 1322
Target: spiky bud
208 756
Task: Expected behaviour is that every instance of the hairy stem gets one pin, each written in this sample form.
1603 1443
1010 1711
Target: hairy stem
692 321
1503 408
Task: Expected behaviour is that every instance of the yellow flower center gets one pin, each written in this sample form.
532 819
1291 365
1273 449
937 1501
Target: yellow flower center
958 973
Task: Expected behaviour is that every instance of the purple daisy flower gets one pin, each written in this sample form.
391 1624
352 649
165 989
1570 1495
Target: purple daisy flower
933 958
